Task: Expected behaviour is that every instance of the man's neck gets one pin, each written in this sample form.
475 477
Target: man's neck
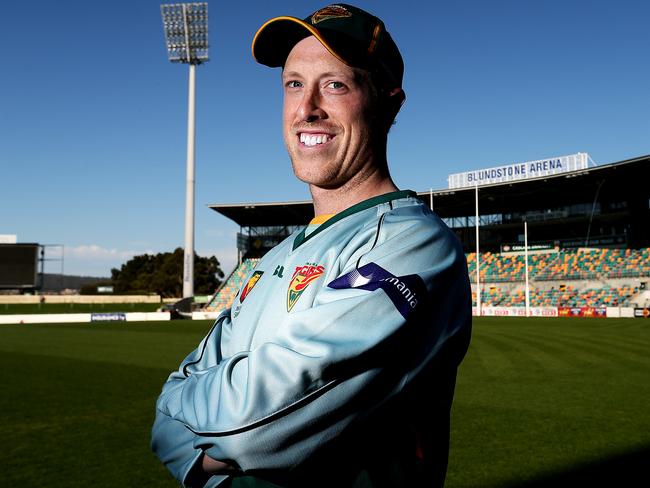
334 200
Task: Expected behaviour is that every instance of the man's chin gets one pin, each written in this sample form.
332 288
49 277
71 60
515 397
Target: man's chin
315 178
309 167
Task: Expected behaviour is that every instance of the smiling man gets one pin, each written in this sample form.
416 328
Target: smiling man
333 127
339 372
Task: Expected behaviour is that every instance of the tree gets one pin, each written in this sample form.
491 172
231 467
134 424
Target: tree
163 274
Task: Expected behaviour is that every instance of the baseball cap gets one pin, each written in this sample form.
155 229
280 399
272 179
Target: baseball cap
354 36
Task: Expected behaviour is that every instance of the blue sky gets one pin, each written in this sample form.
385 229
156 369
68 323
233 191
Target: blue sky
93 116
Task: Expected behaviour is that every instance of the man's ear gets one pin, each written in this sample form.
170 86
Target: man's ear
394 101
397 97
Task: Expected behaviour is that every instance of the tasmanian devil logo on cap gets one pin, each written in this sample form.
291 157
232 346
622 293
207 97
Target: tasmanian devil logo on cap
331 12
302 277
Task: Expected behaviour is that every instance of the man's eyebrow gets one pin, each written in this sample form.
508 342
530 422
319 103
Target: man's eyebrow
290 74
327 74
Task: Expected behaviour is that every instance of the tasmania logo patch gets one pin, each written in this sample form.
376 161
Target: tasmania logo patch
406 292
331 12
302 277
252 281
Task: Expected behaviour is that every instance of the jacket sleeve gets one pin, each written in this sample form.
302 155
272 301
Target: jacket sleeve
368 334
171 440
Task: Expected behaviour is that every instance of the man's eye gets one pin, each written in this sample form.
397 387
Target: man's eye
293 84
337 85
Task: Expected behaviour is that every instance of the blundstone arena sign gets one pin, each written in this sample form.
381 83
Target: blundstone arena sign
519 171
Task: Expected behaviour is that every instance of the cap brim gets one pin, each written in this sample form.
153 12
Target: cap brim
276 38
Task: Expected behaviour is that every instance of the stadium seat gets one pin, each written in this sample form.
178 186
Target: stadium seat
224 297
574 264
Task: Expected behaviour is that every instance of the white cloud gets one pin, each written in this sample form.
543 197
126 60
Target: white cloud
93 252
93 260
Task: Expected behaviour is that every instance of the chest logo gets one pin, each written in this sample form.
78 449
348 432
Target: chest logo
302 277
252 281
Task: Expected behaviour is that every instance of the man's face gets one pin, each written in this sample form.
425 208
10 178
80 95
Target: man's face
328 120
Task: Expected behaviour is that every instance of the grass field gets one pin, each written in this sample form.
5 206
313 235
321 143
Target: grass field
31 308
539 403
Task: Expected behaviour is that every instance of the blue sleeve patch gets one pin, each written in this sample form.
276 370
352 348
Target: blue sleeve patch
406 292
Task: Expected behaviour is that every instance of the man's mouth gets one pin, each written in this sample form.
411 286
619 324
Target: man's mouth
310 140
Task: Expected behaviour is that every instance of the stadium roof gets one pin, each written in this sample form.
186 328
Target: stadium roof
625 179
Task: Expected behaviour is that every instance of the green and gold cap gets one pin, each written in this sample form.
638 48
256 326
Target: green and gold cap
352 35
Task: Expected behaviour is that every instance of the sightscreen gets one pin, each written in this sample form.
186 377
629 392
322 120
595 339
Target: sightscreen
18 265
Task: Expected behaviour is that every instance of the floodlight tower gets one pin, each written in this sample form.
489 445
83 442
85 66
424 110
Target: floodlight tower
186 34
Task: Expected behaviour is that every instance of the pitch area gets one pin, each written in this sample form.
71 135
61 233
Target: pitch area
553 402
540 402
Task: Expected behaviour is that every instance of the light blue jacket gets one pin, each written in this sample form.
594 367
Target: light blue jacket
342 339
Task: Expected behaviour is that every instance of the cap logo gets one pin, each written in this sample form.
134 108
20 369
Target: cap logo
330 12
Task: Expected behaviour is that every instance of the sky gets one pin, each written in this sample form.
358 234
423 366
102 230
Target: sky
93 116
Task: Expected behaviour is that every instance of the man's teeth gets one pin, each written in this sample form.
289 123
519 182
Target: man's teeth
313 139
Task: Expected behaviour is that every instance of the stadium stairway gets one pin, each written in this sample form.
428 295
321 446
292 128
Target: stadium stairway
227 292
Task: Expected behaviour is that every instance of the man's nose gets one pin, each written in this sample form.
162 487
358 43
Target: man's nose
310 108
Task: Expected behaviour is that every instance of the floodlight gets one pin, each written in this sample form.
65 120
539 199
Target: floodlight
186 32
186 35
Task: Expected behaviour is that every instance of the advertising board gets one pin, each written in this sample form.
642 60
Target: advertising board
108 317
18 266
519 248
582 311
516 311
642 313
518 171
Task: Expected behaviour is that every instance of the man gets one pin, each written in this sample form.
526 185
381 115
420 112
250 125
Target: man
336 364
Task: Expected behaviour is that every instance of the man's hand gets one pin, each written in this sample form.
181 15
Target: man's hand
212 466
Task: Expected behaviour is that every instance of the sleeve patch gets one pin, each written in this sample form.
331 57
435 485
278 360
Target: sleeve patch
406 292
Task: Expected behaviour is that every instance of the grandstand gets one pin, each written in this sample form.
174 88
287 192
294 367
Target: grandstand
588 229
224 297
589 287
597 277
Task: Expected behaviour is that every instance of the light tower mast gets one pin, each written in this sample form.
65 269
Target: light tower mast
186 35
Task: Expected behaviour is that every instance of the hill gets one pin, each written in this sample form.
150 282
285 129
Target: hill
57 283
